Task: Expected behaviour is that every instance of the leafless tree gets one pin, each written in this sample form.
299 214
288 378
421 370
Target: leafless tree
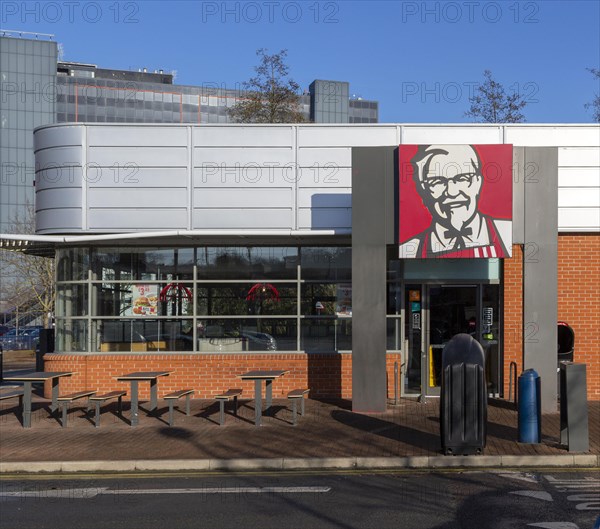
271 96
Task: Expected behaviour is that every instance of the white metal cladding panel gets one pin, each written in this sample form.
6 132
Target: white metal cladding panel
54 136
242 156
579 177
139 177
324 218
137 219
313 157
243 177
449 135
553 136
242 218
319 197
140 156
58 157
58 177
59 197
331 136
240 136
146 136
579 156
583 197
211 198
58 220
140 199
575 219
325 177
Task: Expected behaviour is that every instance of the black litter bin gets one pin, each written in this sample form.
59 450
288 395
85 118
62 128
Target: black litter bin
463 398
566 342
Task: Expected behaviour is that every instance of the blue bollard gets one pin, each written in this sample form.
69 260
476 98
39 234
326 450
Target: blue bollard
530 407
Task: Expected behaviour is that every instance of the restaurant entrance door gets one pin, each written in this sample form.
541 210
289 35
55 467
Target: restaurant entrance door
434 314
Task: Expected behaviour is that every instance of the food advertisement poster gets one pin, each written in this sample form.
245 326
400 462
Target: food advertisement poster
144 300
343 306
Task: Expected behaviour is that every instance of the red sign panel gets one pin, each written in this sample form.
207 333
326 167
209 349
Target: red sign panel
455 201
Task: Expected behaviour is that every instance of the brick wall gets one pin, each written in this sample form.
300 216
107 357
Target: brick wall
578 303
579 300
327 375
513 315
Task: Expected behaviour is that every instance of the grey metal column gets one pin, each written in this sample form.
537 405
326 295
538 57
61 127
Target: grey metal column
371 194
27 404
134 403
257 402
540 273
54 405
153 394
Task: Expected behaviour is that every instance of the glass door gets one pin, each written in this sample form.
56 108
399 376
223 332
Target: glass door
451 309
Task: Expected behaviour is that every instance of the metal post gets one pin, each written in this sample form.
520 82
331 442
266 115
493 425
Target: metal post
396 382
134 403
257 402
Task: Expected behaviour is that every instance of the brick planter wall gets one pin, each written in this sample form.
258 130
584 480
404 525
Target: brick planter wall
327 375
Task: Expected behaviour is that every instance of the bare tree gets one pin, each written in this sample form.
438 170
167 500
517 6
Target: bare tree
595 104
491 103
271 96
28 280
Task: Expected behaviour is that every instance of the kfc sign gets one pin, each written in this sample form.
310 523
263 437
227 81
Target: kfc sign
455 201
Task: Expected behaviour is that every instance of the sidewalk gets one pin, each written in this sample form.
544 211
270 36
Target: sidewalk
328 436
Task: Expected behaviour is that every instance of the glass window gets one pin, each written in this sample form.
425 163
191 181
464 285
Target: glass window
71 335
235 335
247 263
326 334
72 264
72 300
143 264
247 299
333 263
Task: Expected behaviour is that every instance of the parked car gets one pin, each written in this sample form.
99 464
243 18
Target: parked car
23 338
4 329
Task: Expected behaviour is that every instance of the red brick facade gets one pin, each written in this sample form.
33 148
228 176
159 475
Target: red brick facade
578 304
579 300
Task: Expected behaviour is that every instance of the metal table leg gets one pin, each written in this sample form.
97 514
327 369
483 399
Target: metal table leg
54 405
26 404
257 402
134 402
153 394
268 393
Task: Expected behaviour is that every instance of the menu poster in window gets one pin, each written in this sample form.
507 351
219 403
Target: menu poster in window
343 305
144 300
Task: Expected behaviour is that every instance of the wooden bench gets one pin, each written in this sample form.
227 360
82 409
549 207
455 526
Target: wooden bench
172 398
12 395
64 401
294 396
98 400
226 397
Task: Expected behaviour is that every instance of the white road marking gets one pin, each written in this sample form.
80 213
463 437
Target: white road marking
530 478
537 494
587 502
554 525
92 492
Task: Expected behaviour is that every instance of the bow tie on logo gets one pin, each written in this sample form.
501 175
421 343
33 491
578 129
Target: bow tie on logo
459 235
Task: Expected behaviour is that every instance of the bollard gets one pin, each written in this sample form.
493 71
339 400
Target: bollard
530 407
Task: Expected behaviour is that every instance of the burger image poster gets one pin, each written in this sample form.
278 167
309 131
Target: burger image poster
145 300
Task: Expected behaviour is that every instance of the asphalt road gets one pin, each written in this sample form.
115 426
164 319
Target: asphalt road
440 500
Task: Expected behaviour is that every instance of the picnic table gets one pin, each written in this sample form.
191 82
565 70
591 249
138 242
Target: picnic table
142 376
259 376
36 377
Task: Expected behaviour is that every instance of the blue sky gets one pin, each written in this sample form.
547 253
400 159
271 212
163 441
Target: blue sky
419 59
